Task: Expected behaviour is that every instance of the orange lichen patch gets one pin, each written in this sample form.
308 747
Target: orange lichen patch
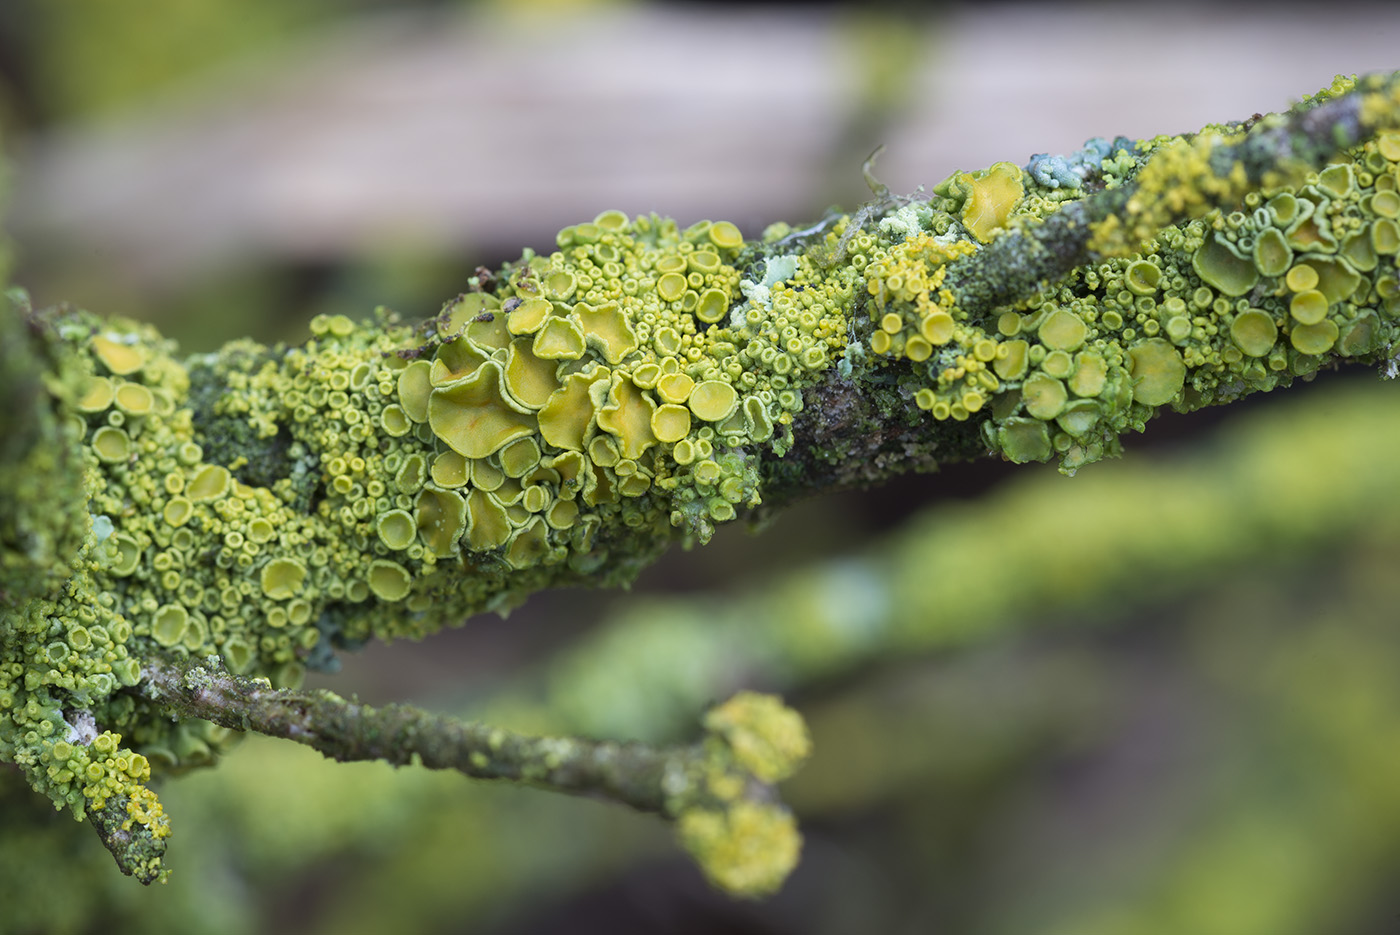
1157 370
713 400
606 327
414 387
565 418
282 578
528 316
992 194
529 379
389 581
671 422
559 339
466 310
628 416
441 518
119 358
474 417
488 526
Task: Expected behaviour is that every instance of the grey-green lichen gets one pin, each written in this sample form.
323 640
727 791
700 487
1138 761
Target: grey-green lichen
571 415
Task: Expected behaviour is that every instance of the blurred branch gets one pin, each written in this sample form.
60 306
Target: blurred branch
717 790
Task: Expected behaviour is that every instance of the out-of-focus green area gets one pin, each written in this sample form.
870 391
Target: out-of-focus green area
92 58
1156 698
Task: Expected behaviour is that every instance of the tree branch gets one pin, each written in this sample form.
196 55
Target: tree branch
1182 181
709 788
571 416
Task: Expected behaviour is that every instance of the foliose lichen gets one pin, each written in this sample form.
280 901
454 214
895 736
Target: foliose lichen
574 413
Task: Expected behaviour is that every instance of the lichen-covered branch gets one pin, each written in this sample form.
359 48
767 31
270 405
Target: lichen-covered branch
719 792
1185 179
571 416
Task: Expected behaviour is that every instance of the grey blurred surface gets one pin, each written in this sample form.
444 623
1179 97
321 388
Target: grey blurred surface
482 134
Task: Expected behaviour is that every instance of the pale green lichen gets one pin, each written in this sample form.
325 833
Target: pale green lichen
573 414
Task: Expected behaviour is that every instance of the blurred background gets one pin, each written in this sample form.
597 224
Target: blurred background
1218 752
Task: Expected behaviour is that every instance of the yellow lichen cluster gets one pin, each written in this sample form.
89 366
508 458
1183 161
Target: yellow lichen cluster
1225 304
746 847
262 503
563 420
619 366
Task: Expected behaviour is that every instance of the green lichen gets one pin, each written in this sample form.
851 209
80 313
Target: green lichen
575 413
